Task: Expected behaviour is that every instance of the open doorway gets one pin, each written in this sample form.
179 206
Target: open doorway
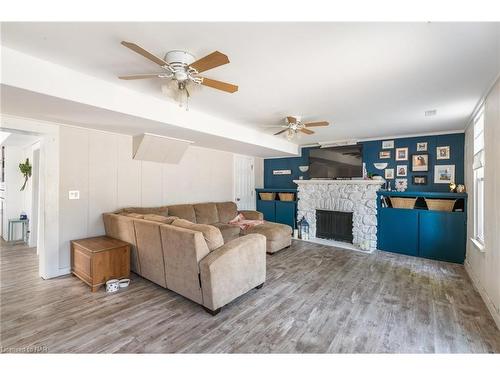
19 192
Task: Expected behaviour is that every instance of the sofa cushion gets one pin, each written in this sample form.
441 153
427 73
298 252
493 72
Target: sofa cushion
162 210
206 213
212 235
229 232
227 211
134 215
183 211
272 231
160 218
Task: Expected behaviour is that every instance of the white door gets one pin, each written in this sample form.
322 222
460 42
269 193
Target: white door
244 182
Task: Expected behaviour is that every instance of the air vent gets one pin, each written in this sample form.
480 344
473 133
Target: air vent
430 113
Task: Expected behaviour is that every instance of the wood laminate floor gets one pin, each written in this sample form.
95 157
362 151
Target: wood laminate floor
317 299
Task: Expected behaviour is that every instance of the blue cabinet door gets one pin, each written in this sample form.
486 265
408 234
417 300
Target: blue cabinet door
442 235
398 230
267 208
285 213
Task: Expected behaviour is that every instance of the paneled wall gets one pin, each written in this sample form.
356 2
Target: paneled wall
371 151
484 265
101 167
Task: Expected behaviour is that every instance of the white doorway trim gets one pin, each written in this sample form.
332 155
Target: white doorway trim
48 213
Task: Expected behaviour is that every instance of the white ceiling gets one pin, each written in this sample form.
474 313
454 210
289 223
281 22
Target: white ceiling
367 79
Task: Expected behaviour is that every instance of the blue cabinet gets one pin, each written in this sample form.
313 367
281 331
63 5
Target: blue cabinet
442 235
268 208
398 231
439 235
284 212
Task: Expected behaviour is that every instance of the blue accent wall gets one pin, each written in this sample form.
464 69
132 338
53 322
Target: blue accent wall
371 151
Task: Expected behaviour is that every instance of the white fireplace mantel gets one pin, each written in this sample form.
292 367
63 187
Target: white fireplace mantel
341 182
356 196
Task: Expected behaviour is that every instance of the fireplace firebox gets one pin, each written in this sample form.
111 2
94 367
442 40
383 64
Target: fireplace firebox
334 225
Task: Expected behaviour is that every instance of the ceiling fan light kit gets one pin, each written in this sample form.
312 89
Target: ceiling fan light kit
183 68
294 127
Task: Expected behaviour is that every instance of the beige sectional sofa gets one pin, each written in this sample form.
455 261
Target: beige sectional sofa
192 250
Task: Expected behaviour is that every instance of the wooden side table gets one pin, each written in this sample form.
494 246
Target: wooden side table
99 259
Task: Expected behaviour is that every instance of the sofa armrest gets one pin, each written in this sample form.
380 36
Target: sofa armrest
232 270
252 215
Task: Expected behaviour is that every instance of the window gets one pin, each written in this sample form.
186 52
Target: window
478 166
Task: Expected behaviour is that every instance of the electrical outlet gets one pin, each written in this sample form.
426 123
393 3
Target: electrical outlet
74 194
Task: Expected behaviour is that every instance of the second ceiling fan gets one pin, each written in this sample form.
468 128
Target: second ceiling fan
295 125
182 68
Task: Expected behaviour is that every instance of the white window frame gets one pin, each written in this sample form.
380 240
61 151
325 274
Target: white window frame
478 176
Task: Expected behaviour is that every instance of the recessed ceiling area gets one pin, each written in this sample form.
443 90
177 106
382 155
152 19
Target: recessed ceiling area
366 79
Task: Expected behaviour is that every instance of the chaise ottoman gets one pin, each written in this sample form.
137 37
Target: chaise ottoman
278 236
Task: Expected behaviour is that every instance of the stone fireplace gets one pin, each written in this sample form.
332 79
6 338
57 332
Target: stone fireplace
358 197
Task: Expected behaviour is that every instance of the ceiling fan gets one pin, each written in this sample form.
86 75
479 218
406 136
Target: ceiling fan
183 70
294 125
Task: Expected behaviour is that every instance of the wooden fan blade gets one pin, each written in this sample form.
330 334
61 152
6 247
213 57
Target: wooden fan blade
319 123
307 131
211 61
141 51
139 76
281 131
291 119
219 85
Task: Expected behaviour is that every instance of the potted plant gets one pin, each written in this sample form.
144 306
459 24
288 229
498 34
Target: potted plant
25 169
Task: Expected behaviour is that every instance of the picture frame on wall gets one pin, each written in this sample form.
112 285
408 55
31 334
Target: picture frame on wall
420 163
401 170
402 153
442 152
421 146
419 180
384 155
401 184
444 174
389 174
387 144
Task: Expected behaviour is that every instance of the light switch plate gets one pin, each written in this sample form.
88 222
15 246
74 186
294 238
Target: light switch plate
74 194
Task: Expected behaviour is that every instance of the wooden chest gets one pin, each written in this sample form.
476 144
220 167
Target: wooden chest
99 259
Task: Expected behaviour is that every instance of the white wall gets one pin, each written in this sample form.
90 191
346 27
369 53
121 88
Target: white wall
100 166
484 266
14 198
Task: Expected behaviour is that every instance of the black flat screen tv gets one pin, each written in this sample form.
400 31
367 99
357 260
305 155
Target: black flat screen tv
342 162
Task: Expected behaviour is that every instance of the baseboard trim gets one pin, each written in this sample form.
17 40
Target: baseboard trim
482 292
60 272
